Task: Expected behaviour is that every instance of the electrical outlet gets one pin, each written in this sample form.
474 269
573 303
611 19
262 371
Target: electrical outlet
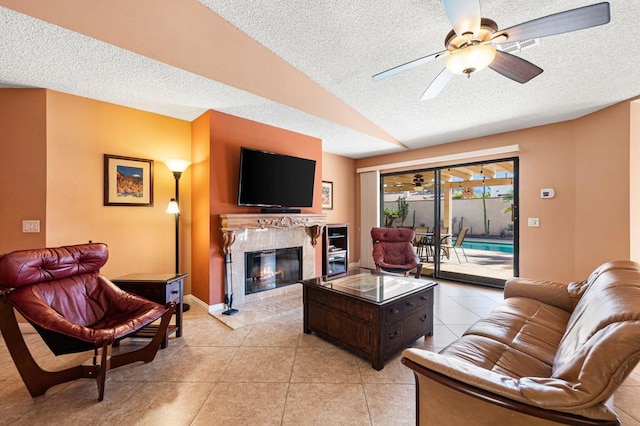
30 226
534 222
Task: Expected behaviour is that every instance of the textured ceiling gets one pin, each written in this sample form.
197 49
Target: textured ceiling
340 45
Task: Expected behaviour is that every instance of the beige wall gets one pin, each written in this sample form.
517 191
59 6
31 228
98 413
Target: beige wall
341 171
23 167
57 142
587 162
634 181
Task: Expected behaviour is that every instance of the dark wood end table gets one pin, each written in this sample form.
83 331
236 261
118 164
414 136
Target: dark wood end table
159 288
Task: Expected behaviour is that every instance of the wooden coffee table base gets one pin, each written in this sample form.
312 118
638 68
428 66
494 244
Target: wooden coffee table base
375 331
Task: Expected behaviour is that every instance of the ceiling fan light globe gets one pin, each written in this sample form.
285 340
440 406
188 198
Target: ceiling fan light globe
470 59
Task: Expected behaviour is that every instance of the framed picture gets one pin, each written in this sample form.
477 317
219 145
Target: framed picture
327 195
128 181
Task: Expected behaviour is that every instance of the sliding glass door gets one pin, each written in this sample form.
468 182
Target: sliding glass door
465 218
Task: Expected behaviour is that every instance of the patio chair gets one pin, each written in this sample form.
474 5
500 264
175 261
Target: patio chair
74 309
393 251
421 242
457 245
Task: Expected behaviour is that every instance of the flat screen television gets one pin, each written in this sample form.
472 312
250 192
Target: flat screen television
275 180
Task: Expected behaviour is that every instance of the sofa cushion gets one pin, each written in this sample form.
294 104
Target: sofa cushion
518 338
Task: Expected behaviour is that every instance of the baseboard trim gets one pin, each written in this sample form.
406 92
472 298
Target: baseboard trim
192 300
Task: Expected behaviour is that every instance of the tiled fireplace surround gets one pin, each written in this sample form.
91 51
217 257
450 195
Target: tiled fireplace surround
244 233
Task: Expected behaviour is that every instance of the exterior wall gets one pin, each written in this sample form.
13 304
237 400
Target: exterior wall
469 211
79 132
587 162
23 167
341 171
227 134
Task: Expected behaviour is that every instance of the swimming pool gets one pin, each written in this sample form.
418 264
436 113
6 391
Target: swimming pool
489 246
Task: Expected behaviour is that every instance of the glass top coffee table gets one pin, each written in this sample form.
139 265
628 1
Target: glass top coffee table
373 315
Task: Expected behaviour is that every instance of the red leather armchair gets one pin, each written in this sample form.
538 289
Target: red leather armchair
74 309
393 251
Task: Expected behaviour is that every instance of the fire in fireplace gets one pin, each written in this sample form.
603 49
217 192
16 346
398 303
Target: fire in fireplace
269 269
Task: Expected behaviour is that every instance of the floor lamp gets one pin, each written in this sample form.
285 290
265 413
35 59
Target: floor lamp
177 167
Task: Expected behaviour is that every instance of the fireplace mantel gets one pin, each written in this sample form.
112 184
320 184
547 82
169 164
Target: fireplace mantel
231 223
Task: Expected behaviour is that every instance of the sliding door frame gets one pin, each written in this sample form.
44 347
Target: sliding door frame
456 276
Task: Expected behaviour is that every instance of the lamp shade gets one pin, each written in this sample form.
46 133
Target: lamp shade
173 207
177 165
471 59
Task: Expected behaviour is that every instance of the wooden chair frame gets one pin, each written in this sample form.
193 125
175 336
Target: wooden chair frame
38 380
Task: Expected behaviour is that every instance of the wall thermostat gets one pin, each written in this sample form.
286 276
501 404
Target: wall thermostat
547 193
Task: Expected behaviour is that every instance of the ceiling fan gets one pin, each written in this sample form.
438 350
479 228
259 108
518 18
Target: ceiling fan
471 45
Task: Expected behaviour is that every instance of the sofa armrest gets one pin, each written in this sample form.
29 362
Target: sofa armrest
549 292
549 398
465 372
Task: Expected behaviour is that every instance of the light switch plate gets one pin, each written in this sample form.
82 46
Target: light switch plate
534 221
30 226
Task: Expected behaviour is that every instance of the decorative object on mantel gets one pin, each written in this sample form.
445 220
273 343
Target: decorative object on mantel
177 167
327 195
128 181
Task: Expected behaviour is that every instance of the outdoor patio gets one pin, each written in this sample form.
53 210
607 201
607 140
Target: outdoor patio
481 262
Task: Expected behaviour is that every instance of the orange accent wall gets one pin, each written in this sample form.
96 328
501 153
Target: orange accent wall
79 132
587 161
341 171
227 134
201 238
52 166
23 167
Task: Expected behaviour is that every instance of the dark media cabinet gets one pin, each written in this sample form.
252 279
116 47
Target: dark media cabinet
335 250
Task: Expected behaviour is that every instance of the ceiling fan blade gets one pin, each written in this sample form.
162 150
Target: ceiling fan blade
514 67
558 23
409 65
437 84
464 15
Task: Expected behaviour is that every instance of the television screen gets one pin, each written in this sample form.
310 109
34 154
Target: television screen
275 180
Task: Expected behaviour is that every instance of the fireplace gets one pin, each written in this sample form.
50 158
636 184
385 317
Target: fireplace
270 269
243 233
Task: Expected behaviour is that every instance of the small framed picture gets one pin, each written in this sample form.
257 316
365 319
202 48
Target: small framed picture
128 181
327 195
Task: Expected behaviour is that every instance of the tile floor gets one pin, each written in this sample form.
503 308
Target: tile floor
267 373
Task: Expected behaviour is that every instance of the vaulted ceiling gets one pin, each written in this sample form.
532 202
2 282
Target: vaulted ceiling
307 65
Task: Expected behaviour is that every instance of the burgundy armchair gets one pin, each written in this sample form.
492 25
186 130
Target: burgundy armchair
393 251
74 309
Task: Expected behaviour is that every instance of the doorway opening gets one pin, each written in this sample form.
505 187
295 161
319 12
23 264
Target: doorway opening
465 218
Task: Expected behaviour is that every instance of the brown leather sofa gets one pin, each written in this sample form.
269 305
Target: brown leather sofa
550 353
